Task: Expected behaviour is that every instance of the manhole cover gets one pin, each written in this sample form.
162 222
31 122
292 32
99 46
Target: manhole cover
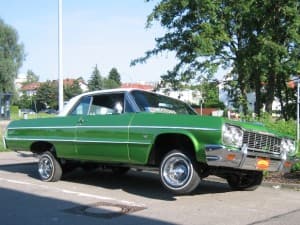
104 210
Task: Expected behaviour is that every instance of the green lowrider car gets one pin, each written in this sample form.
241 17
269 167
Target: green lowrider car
129 128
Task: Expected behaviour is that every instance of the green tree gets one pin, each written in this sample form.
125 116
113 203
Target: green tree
259 40
11 57
273 51
31 77
210 93
72 90
47 95
109 84
25 102
96 81
115 76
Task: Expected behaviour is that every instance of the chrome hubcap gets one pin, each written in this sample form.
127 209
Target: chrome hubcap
176 171
45 167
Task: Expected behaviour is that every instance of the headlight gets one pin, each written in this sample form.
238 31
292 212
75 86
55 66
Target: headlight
288 146
232 135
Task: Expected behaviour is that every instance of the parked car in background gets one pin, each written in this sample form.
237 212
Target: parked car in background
27 111
130 128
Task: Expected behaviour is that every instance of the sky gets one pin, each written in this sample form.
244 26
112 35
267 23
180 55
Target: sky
106 33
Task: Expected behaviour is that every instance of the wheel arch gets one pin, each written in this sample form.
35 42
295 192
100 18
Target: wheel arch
40 147
167 142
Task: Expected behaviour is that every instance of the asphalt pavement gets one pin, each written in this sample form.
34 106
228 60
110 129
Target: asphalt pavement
95 197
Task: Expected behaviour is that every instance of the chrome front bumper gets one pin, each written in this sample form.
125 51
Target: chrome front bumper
219 156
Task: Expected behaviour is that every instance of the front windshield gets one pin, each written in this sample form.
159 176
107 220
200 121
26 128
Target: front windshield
152 102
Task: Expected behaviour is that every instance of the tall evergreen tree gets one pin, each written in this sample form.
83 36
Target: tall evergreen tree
115 76
72 90
96 81
31 77
109 84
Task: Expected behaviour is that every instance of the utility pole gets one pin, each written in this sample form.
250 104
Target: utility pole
60 60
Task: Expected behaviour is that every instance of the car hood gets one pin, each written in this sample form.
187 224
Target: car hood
256 127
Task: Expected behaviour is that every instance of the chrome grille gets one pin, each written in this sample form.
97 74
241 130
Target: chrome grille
262 142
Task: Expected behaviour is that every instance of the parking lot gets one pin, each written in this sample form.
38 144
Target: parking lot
99 197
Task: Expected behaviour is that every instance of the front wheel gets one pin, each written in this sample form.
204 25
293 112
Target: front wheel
178 173
49 168
245 182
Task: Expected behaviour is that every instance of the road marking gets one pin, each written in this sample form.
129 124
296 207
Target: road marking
70 192
14 181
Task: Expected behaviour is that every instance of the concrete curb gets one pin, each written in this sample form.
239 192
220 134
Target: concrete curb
274 185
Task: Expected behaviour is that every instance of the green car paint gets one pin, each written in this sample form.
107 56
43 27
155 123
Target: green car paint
126 138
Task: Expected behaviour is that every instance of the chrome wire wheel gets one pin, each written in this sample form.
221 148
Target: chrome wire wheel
45 167
49 167
176 171
178 174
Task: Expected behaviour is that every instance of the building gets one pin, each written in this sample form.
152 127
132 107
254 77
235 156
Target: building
140 85
69 82
251 99
20 80
29 89
193 97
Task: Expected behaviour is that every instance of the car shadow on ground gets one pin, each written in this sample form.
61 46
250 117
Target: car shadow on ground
29 208
146 184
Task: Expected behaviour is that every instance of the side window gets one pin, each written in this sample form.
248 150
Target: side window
83 106
107 104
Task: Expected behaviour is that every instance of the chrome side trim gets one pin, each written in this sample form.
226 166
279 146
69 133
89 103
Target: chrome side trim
78 141
112 127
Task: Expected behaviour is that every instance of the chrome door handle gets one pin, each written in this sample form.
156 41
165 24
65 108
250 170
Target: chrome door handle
81 121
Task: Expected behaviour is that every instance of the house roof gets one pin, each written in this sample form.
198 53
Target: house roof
70 82
292 84
34 86
146 87
30 87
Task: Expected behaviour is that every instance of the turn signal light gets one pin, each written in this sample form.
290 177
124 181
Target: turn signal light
287 164
230 157
262 164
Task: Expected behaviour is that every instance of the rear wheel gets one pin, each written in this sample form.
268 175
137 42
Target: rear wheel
245 182
49 168
178 173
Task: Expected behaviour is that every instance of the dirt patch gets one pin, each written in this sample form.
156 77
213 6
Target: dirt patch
289 178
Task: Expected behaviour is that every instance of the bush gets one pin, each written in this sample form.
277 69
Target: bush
281 126
296 167
14 109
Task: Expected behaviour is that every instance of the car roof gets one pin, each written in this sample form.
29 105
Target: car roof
109 91
70 104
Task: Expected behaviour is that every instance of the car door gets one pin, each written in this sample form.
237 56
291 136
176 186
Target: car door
102 131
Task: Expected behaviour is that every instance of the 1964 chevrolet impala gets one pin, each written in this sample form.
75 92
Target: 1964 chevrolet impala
129 128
